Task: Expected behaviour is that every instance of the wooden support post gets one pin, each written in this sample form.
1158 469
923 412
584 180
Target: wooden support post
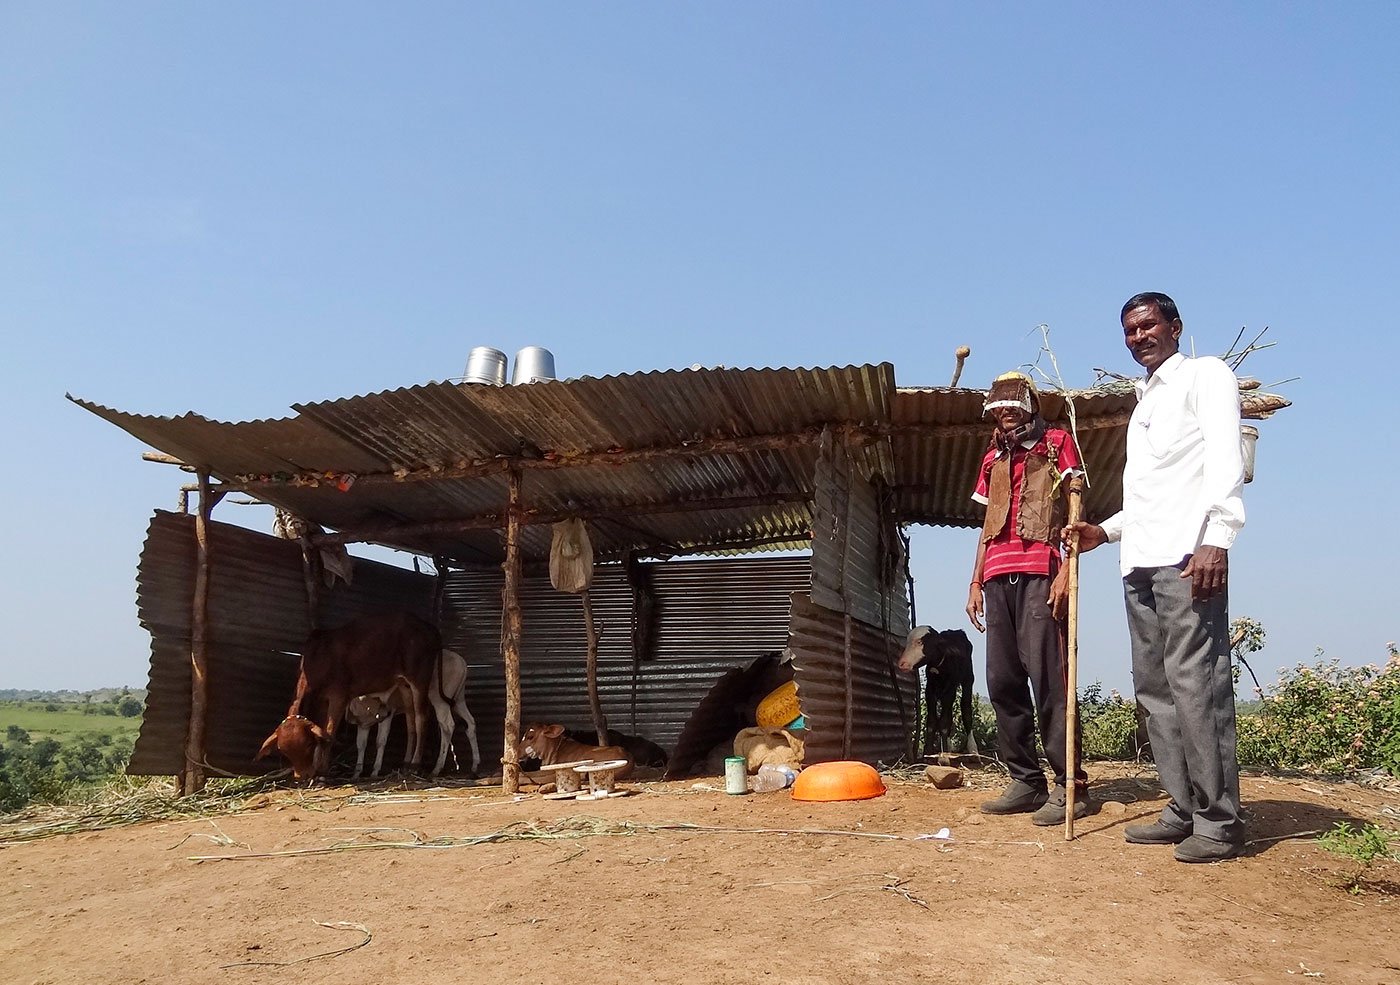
850 684
192 779
600 724
1076 508
510 641
440 565
310 576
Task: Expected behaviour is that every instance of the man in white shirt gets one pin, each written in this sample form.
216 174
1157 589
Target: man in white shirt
1182 509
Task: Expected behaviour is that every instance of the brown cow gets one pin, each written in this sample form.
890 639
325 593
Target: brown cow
373 653
550 745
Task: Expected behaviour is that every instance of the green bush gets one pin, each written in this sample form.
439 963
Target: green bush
1365 846
1327 717
984 724
1108 725
48 771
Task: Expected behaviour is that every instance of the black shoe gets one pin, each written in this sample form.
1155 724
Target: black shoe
1199 848
1017 798
1053 811
1155 833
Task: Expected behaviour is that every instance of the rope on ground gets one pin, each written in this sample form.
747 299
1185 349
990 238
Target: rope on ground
338 925
581 826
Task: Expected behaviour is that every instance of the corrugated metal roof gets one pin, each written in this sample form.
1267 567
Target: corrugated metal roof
436 452
426 432
944 436
939 437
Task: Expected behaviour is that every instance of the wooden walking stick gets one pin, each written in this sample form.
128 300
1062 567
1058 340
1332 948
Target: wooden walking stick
1076 504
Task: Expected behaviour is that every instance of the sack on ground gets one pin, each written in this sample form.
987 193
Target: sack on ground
770 746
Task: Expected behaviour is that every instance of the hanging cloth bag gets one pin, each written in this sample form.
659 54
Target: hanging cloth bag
571 557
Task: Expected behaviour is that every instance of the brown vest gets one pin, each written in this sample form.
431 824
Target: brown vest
1042 512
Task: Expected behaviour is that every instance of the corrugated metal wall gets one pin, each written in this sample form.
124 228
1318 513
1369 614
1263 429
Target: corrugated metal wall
848 631
707 617
257 622
851 547
856 705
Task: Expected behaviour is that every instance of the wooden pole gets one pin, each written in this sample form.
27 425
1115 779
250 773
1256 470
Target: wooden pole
493 521
600 724
1076 509
700 448
849 681
310 575
192 779
510 643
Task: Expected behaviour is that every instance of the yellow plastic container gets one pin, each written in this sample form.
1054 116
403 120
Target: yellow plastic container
779 707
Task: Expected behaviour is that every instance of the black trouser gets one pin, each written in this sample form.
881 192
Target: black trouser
1025 656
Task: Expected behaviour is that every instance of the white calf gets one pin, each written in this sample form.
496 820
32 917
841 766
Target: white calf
366 711
447 695
452 696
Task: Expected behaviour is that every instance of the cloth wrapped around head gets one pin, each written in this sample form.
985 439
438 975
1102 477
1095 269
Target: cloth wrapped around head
1013 390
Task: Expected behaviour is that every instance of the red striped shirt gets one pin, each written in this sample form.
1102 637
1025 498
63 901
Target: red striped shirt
1007 553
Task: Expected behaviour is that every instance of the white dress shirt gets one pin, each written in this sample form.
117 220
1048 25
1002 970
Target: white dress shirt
1184 480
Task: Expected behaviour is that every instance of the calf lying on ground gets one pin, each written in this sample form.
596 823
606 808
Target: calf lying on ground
446 694
640 750
947 661
550 745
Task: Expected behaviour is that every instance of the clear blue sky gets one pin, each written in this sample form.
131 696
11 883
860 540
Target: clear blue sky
231 207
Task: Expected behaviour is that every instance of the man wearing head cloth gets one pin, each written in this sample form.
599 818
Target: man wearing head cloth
1018 584
1182 509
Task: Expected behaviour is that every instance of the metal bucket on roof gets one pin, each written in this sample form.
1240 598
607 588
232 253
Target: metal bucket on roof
485 365
533 363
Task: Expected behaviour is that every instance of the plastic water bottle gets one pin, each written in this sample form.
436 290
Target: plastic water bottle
770 778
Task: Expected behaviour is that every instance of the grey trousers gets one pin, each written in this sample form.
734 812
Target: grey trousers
1181 673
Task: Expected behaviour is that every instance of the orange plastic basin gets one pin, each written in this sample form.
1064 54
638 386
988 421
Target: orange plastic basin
838 781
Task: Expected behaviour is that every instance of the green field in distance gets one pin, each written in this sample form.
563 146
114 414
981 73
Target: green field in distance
66 723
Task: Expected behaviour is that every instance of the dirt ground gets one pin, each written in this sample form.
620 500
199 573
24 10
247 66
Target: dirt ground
462 884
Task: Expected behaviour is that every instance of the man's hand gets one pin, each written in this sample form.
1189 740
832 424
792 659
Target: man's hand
1208 570
974 605
1059 593
1091 535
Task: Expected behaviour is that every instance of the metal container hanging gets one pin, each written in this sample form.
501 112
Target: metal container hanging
1249 438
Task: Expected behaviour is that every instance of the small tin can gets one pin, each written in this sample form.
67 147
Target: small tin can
736 775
